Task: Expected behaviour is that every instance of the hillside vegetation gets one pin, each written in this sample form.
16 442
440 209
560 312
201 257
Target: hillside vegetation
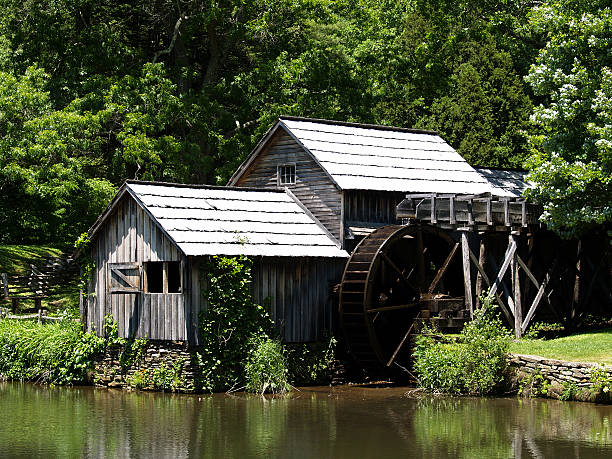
96 92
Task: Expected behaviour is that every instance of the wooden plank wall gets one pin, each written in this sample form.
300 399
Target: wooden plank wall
313 187
298 293
371 206
130 236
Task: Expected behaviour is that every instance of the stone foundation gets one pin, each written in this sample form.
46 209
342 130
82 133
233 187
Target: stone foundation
556 371
162 363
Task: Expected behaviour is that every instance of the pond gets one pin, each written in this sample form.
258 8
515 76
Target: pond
341 422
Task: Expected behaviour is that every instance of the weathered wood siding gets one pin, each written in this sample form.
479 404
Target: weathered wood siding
298 293
130 236
313 187
371 206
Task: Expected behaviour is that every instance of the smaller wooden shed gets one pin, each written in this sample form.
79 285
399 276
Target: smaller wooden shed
150 244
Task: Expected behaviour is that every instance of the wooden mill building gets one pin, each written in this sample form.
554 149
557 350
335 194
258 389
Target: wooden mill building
426 233
352 176
150 245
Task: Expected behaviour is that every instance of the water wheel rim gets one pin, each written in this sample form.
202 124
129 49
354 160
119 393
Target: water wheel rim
392 234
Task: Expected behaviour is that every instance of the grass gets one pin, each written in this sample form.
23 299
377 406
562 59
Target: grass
15 260
594 346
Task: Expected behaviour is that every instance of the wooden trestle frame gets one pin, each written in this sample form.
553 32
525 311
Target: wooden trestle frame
483 218
400 276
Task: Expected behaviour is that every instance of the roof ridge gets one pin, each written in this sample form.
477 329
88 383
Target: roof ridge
379 127
202 186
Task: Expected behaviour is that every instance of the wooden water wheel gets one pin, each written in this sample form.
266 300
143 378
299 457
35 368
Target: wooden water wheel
394 276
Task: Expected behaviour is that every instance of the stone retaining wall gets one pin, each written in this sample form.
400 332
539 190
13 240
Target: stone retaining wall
157 356
557 371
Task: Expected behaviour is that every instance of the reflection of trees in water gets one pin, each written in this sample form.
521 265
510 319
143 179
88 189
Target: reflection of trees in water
46 421
465 427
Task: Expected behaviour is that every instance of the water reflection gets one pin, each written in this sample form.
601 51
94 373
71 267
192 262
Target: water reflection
83 422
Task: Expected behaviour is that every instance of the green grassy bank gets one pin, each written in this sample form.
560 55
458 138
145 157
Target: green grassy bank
15 260
594 346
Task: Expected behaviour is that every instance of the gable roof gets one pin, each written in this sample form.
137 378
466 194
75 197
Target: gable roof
205 220
381 158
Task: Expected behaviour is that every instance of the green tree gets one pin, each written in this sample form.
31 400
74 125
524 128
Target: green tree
571 163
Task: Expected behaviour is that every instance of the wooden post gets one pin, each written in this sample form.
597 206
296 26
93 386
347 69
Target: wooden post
5 285
420 261
434 218
467 278
516 289
481 261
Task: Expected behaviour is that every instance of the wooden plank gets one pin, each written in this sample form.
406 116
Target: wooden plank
166 302
504 267
538 297
516 290
481 262
503 286
483 273
451 210
443 268
467 279
139 234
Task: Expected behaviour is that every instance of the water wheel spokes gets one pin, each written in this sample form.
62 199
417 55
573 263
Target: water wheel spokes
392 275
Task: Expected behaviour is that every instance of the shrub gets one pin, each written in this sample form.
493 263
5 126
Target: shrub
230 322
473 364
601 385
309 363
266 366
58 353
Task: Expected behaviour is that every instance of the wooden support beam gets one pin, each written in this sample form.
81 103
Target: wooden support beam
443 268
420 261
470 212
499 282
433 219
516 289
5 285
481 262
467 278
451 208
538 297
504 267
482 272
506 213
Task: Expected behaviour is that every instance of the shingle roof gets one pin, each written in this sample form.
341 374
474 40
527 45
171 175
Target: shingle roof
234 221
367 157
512 181
381 158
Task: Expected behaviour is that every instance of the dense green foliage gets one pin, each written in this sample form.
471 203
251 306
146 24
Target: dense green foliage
266 366
240 347
58 353
310 363
572 135
230 323
472 364
94 92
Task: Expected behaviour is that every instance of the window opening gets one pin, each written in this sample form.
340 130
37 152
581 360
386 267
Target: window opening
162 276
174 277
155 276
286 174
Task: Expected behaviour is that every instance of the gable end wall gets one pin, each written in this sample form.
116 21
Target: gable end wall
313 187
